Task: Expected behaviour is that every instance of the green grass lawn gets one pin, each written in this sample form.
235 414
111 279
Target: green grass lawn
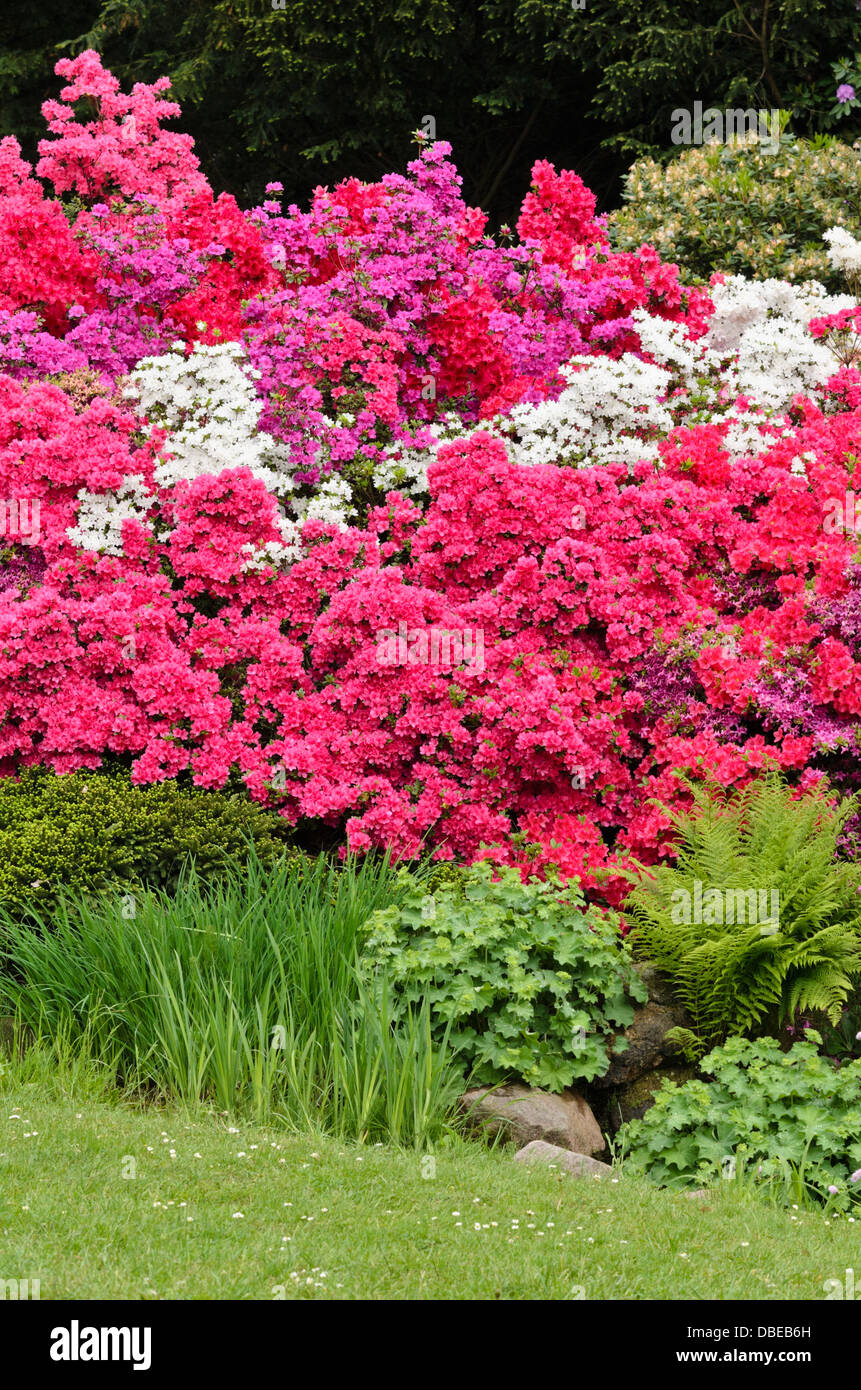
223 1210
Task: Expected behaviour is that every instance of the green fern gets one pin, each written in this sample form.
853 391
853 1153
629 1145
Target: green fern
729 974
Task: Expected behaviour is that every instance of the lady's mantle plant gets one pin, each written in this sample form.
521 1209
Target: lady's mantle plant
530 980
789 1117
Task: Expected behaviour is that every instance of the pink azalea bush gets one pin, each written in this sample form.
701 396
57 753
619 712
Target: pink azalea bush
290 534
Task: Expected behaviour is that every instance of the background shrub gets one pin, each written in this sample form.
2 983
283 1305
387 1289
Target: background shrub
525 979
82 831
730 975
739 209
788 1118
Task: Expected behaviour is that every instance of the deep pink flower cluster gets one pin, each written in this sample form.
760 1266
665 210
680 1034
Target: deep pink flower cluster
523 666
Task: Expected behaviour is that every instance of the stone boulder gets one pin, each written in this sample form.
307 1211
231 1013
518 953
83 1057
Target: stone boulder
578 1165
660 989
524 1114
648 1044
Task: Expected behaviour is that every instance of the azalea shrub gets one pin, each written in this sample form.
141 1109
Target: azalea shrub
433 539
521 979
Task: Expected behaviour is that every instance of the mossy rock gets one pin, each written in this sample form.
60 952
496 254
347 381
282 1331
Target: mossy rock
631 1102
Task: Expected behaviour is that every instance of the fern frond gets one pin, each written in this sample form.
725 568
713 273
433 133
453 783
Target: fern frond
763 840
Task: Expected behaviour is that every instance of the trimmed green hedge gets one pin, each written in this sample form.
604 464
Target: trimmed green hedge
84 831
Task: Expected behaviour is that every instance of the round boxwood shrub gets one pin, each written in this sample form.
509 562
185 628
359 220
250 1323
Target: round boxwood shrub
741 209
84 831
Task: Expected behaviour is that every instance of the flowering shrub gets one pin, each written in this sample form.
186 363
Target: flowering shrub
741 209
425 536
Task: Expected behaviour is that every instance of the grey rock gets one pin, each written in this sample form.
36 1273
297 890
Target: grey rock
646 1036
524 1114
647 1048
660 990
578 1165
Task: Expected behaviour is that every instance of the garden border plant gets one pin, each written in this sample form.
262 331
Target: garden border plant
785 1121
736 976
525 980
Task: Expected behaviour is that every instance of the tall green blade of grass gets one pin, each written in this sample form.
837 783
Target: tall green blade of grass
246 994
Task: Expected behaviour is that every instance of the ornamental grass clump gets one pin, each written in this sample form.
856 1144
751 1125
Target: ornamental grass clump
756 919
243 994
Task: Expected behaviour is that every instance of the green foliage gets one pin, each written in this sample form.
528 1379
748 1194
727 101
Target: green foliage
731 974
791 1119
843 1038
243 995
525 979
652 59
739 209
685 1042
307 96
82 831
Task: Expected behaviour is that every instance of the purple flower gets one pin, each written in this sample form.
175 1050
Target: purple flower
274 188
845 92
856 1175
75 311
832 1189
100 210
